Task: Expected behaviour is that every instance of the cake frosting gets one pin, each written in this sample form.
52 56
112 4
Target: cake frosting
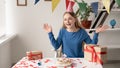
63 62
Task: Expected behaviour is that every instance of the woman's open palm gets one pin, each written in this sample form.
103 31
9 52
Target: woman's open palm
47 28
101 28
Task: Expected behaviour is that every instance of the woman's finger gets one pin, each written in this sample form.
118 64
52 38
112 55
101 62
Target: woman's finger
103 28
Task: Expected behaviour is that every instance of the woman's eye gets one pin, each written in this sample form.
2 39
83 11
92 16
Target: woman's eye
65 19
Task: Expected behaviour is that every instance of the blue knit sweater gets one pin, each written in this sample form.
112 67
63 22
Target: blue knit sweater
72 42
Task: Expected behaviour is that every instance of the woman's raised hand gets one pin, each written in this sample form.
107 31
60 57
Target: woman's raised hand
47 28
101 28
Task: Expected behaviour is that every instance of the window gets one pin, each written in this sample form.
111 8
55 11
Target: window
2 17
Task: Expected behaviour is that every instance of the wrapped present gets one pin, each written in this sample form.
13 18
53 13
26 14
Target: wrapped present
95 53
34 55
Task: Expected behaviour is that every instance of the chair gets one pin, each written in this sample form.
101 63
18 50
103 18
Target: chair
58 52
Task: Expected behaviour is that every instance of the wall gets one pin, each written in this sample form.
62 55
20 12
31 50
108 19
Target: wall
111 38
27 22
2 17
5 55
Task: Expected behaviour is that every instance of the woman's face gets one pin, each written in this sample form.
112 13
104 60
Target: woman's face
69 21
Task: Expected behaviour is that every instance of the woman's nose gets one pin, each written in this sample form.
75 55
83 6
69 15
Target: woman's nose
67 21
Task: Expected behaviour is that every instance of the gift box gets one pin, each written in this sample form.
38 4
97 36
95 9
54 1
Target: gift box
95 53
34 55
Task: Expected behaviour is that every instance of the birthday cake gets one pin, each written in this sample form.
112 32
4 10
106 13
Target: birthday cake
63 62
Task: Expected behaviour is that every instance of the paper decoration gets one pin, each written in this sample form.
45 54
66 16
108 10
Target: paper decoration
94 6
54 4
82 7
118 2
106 3
70 6
36 1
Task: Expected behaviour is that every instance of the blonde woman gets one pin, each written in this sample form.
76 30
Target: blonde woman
71 36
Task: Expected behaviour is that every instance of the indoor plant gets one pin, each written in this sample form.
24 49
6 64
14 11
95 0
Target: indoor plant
84 11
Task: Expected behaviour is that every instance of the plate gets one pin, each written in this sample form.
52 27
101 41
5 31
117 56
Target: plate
63 65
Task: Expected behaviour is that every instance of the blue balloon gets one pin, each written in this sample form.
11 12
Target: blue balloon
113 23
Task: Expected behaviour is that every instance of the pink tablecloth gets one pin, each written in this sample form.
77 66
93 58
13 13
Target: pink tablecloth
50 63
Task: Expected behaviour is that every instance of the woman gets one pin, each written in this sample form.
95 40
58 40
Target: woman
71 36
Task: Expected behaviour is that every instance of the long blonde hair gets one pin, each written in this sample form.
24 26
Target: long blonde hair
77 24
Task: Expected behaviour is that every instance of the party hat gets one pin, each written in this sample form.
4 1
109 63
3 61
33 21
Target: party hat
70 6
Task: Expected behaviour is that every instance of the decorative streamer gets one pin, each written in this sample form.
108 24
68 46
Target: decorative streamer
36 1
94 6
106 3
54 4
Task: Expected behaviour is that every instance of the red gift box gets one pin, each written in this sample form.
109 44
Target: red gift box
95 53
34 55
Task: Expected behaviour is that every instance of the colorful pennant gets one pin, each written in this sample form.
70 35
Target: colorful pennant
118 2
54 4
94 6
106 3
82 7
36 1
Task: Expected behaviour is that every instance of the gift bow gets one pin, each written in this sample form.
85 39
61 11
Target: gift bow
95 56
30 55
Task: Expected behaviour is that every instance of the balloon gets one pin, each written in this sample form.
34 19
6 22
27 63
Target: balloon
113 23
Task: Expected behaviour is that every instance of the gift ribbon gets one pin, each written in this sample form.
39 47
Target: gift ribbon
95 57
31 55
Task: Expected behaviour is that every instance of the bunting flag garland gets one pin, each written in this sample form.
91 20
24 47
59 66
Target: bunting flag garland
36 1
118 2
82 7
54 4
94 6
106 3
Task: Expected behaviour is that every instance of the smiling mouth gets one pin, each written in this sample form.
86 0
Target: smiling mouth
68 24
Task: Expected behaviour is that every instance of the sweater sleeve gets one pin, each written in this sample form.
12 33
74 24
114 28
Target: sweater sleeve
55 42
88 40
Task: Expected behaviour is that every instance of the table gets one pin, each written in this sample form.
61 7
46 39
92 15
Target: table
50 63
